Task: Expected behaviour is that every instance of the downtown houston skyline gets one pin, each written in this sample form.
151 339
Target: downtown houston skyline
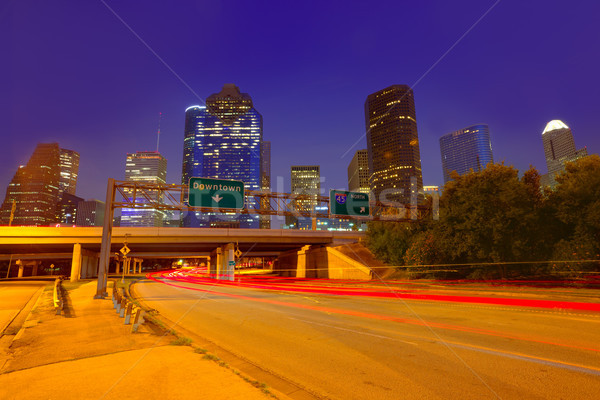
94 78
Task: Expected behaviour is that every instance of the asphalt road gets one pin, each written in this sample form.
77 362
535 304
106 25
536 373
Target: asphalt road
362 347
13 298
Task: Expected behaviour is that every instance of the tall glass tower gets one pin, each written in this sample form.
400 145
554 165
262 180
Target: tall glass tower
145 167
393 145
559 148
222 140
466 149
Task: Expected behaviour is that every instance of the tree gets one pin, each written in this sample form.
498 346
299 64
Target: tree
575 204
389 240
487 216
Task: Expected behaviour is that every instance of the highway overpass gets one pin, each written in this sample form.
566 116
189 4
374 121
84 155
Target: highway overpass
82 244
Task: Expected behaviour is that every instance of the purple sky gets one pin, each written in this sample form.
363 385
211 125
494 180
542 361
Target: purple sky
72 72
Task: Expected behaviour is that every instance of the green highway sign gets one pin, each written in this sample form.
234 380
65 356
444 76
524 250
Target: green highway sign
216 193
348 203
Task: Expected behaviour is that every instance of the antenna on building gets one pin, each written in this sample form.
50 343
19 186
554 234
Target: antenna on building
158 133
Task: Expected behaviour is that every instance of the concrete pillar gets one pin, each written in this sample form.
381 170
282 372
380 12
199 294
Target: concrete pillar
228 262
118 263
21 268
215 263
76 262
302 262
127 267
35 268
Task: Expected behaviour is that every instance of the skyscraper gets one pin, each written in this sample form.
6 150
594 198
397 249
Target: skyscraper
466 149
305 180
393 145
35 188
223 141
69 169
559 148
146 167
265 178
358 172
90 213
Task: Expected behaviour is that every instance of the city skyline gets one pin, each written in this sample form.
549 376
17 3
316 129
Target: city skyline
103 100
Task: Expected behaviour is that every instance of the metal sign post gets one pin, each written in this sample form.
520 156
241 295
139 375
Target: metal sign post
106 237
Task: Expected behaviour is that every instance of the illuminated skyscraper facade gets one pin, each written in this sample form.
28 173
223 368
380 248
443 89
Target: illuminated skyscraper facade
90 213
358 172
222 140
465 150
35 189
559 148
146 167
306 181
265 177
393 145
69 169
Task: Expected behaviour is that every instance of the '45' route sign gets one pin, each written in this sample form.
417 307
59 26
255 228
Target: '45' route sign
216 193
348 203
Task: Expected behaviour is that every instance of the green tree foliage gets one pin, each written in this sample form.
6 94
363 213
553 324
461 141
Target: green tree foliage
575 204
389 240
487 216
493 216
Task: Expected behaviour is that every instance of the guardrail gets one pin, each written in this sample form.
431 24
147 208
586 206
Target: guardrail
58 295
127 309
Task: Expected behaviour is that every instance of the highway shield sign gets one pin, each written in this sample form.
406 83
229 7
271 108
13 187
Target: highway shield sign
344 203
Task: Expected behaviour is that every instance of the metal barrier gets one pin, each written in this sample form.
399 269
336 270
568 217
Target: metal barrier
126 308
58 296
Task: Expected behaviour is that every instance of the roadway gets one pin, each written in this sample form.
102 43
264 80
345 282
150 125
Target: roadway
14 296
342 341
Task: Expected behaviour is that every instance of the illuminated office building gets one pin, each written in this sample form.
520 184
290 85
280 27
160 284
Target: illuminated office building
36 187
222 140
358 172
144 167
305 181
69 169
67 209
265 178
393 145
559 148
90 213
465 150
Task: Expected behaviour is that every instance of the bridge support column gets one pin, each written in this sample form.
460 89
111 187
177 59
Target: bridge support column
35 268
118 266
216 262
21 268
302 262
76 262
228 262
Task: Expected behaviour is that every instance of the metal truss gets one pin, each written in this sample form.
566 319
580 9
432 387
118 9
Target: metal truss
153 196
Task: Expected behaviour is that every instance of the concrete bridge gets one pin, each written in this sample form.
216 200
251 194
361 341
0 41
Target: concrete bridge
82 245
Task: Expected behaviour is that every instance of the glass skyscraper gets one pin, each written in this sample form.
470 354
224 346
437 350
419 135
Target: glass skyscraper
222 140
559 148
358 172
145 167
393 145
38 187
466 149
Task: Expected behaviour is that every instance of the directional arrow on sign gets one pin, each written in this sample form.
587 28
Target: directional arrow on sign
217 198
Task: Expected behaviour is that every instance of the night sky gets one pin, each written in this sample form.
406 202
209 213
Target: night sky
72 72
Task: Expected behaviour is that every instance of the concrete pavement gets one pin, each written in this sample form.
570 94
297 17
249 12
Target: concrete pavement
89 354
